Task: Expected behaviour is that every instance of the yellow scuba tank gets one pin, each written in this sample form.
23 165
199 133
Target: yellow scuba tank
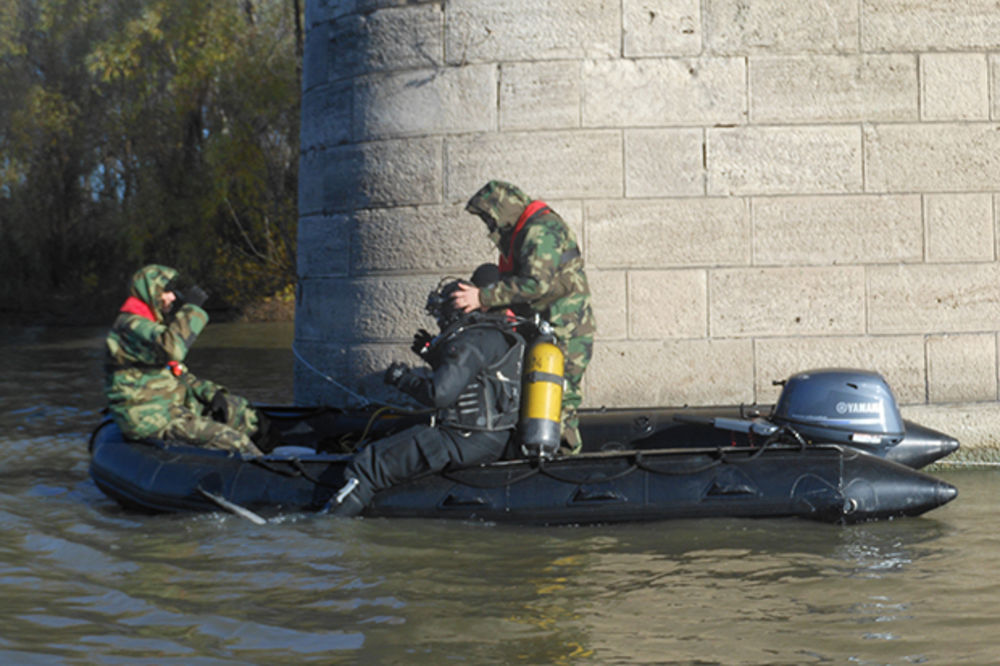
541 405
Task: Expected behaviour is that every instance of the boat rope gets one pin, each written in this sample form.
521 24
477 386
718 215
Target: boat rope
291 473
450 476
786 430
614 477
377 413
297 464
677 470
540 467
722 456
638 461
365 402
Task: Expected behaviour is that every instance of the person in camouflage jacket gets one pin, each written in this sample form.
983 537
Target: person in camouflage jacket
541 267
150 392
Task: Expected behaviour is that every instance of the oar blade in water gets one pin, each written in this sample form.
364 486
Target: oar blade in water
233 508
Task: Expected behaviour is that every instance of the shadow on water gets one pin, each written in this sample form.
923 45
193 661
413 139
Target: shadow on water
86 582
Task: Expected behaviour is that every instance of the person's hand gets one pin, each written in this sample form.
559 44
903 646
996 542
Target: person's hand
395 373
466 298
219 407
421 342
195 295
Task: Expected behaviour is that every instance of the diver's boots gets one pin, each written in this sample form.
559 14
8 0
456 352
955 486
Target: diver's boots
346 502
349 508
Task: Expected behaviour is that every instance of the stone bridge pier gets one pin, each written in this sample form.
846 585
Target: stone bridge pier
759 187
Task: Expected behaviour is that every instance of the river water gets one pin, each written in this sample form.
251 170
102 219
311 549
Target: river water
84 582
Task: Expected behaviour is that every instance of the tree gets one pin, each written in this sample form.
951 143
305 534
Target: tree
147 130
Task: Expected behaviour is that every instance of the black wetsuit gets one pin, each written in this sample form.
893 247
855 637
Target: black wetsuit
473 424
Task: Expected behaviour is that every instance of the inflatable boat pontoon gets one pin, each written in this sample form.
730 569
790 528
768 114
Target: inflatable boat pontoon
834 448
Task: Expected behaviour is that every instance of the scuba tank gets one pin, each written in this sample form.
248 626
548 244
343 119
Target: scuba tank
539 430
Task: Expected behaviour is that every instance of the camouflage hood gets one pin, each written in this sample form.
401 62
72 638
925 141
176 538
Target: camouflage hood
499 204
149 283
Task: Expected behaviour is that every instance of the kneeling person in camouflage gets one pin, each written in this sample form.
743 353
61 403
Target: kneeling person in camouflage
149 390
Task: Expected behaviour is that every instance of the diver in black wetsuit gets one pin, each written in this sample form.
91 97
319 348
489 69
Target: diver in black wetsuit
474 384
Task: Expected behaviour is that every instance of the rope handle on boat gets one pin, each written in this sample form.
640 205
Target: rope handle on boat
298 470
297 464
290 473
720 456
491 486
614 477
388 408
642 464
541 468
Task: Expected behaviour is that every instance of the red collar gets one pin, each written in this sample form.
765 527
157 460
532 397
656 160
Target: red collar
133 305
507 260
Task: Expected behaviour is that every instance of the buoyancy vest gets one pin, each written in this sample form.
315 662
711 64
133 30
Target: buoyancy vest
133 305
564 282
506 261
492 400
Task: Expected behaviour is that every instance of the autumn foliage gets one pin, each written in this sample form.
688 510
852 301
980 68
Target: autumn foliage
139 131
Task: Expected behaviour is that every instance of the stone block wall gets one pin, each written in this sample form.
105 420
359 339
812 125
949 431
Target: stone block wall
759 186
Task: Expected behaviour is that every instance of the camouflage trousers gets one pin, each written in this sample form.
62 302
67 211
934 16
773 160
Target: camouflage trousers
577 355
198 430
574 326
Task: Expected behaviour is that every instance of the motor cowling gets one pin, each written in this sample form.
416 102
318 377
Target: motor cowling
843 406
541 407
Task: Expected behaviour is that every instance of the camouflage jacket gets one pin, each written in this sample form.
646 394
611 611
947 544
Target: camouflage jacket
139 385
546 270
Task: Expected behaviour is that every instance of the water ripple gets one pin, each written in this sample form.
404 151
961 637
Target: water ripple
86 582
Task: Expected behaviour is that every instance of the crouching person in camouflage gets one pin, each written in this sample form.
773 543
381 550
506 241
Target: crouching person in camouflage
149 390
542 269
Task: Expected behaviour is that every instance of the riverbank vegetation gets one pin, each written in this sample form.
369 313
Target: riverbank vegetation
140 131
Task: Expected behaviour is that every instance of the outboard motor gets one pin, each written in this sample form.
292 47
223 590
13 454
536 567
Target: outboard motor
841 406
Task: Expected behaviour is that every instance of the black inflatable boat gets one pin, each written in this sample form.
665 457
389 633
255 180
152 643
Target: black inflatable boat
834 448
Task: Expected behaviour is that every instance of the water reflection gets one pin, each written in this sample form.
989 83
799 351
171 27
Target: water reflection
646 597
